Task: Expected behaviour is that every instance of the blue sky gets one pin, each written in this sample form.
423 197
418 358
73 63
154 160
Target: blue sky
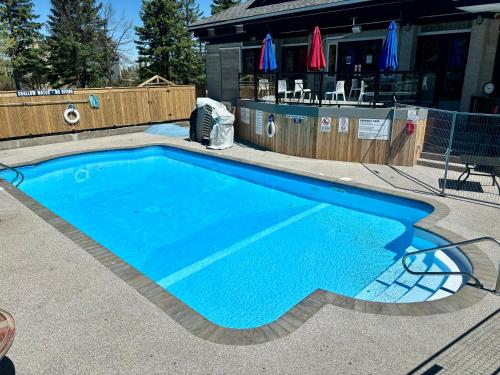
130 8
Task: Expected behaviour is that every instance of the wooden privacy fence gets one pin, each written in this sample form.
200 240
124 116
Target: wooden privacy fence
306 138
43 115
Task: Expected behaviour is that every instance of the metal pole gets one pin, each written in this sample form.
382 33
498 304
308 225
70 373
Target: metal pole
448 152
389 154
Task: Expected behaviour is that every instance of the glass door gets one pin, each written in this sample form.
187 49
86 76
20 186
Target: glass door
444 58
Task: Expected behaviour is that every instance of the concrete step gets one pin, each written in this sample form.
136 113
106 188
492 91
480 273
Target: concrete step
440 165
439 157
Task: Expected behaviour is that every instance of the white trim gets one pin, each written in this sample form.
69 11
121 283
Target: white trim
352 39
251 47
458 31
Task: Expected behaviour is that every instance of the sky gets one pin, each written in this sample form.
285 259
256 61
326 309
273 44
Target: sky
130 9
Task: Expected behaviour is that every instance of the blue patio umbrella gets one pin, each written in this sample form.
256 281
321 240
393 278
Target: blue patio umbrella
389 57
268 57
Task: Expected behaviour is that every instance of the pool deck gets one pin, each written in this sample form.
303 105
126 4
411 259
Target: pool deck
74 316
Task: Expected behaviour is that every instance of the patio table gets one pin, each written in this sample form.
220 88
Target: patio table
480 166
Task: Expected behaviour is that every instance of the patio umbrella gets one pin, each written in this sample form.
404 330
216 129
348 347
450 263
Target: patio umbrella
316 60
267 55
389 58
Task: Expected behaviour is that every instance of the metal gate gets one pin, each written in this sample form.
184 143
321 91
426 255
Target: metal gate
460 156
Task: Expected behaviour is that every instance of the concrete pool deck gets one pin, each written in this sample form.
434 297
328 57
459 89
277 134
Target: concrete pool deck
75 316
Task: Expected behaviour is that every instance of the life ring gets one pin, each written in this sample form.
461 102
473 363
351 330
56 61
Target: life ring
271 129
72 116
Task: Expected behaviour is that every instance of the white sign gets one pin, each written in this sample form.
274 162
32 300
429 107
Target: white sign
49 92
297 119
258 122
245 115
374 129
413 115
343 124
326 124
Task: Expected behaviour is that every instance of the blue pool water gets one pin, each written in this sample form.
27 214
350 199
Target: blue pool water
241 245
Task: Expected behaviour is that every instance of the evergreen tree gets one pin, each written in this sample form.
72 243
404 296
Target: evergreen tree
165 45
220 5
75 43
190 11
24 42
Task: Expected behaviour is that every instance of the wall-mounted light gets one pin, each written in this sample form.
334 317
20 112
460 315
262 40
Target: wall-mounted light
211 32
479 19
239 29
407 27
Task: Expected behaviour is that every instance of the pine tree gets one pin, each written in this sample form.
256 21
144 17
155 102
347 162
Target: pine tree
165 46
220 5
190 11
25 43
75 43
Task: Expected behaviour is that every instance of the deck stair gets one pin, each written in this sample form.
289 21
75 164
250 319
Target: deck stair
432 160
397 285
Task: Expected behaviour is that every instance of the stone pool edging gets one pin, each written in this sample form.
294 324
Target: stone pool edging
297 315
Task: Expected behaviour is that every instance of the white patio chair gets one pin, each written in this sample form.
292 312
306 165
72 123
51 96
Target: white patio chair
283 88
363 92
299 88
354 88
339 90
263 88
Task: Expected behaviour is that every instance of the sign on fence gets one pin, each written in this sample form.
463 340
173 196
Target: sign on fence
343 124
258 122
377 129
245 115
27 93
326 124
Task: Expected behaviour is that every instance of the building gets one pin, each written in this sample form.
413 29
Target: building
451 44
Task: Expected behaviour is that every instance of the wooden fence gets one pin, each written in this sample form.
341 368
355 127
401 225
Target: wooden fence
43 115
307 140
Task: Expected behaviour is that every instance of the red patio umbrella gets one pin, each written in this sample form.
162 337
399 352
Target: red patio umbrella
316 60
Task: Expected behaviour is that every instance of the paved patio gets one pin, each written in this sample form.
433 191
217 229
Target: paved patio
74 316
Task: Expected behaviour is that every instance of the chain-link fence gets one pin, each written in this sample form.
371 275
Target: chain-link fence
460 156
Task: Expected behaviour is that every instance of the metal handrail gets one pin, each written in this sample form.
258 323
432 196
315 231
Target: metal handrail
19 175
477 282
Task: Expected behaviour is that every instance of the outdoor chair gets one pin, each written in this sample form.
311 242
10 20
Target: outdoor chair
339 90
263 89
363 92
283 88
299 88
354 88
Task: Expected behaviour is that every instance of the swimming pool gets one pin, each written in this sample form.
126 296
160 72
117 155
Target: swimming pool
240 244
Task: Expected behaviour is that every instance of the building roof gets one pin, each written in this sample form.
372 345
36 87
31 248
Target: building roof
248 10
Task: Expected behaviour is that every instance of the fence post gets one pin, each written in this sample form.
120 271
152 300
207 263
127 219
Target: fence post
255 87
321 88
389 154
448 152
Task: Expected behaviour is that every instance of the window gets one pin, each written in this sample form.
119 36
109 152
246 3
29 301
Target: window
250 60
332 58
294 59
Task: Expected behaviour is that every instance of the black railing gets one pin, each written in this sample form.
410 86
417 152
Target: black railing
341 88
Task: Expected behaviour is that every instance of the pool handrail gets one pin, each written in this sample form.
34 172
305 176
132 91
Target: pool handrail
19 175
477 282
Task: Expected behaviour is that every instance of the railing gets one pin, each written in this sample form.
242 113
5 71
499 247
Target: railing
340 88
19 177
477 282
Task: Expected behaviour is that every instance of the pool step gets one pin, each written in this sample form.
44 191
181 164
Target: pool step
397 285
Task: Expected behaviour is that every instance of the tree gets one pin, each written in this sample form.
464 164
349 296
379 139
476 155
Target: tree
190 11
220 5
76 32
116 40
164 44
24 44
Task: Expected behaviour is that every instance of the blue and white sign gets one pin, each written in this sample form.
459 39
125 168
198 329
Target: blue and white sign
50 92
